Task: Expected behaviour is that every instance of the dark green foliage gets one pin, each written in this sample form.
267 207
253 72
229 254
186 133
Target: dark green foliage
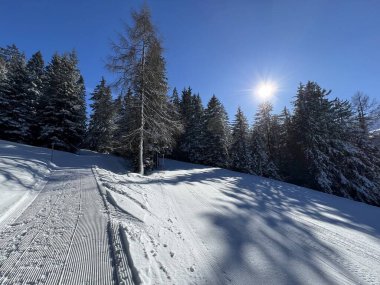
36 76
282 154
260 163
62 116
139 62
16 111
331 153
125 135
190 146
175 113
101 125
264 142
217 134
41 106
239 149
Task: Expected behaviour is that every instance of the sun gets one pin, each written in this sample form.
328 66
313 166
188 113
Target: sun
266 90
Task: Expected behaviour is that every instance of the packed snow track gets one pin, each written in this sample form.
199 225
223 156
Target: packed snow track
64 235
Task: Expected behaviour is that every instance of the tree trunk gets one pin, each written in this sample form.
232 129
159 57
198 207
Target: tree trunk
141 145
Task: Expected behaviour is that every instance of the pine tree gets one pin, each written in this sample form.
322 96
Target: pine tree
196 131
175 101
282 156
310 134
15 103
175 113
263 142
139 61
186 105
36 75
260 164
79 108
239 150
101 127
63 104
266 125
217 134
333 152
186 114
192 113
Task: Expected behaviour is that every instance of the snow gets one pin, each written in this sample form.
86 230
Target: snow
23 171
63 235
190 224
185 224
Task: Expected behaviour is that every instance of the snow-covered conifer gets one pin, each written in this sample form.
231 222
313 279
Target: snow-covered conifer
217 134
100 128
36 75
63 104
239 149
15 102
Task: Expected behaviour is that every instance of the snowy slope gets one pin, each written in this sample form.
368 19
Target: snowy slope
187 224
23 172
190 224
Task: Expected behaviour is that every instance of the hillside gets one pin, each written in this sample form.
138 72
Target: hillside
184 224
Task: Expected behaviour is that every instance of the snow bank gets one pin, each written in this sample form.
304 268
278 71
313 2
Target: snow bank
192 224
23 172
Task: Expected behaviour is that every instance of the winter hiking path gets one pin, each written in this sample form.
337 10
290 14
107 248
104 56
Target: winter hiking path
65 235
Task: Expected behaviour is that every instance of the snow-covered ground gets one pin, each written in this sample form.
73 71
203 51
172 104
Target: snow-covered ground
23 171
60 230
186 224
190 224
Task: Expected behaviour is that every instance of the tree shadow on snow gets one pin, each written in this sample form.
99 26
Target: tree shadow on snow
267 229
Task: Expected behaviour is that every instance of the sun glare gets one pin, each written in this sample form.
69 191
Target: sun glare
266 90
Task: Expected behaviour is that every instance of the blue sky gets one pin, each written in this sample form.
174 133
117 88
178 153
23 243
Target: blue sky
219 47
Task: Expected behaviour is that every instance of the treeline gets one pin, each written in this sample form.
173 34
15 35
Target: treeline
322 142
41 105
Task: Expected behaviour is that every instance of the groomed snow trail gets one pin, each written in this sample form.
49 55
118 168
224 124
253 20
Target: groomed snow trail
63 237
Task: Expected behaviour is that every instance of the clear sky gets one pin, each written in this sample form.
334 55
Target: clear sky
219 47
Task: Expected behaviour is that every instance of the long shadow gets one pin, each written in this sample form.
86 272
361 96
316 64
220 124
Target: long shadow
260 229
320 206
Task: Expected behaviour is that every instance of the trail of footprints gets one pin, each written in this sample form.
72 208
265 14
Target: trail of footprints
63 237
